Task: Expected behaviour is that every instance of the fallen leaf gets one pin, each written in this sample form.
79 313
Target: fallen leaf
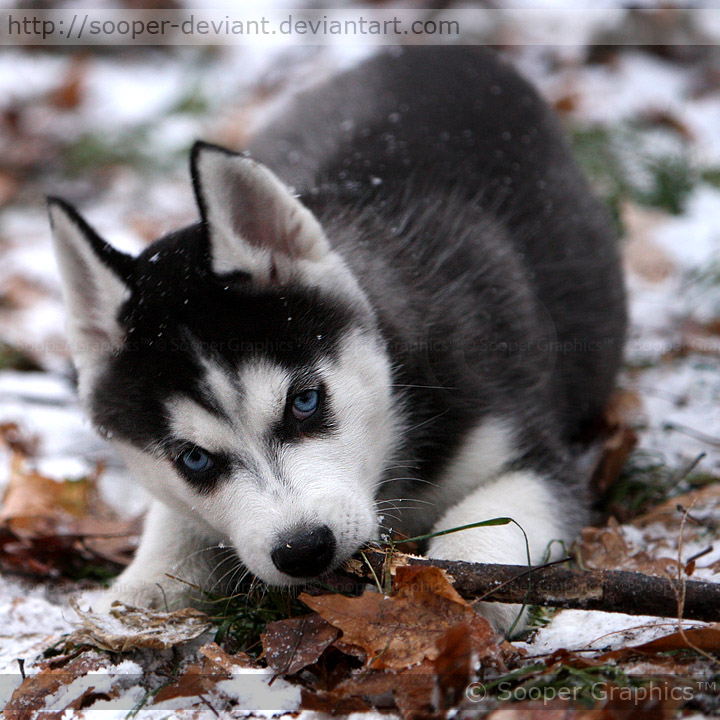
705 638
566 103
615 440
703 500
454 665
17 439
606 548
20 292
32 499
410 690
9 187
331 703
69 94
402 629
35 689
290 645
213 652
642 255
197 679
127 628
532 710
52 528
662 117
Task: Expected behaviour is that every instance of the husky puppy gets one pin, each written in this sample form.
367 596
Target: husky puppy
398 310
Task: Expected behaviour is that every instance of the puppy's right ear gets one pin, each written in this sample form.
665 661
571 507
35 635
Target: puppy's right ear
96 280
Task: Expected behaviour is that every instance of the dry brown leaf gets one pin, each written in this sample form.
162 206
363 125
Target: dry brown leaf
31 498
615 451
418 690
215 665
54 528
35 689
622 704
410 691
18 440
606 549
70 93
454 665
662 117
331 703
668 514
216 654
127 628
21 292
705 638
197 680
9 187
614 440
642 255
290 645
403 629
531 710
567 103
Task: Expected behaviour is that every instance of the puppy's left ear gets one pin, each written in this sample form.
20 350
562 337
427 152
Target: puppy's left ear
96 281
250 214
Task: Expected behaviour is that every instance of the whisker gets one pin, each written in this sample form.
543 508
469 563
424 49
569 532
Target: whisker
232 571
209 548
404 507
413 479
235 583
424 387
429 420
385 513
411 499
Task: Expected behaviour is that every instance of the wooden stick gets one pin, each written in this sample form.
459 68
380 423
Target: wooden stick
554 586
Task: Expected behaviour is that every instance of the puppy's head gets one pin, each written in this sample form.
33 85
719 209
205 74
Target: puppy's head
237 366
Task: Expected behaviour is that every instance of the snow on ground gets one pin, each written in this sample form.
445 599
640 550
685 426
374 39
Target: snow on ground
31 619
680 393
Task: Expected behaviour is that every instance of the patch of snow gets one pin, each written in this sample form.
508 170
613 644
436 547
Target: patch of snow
680 406
37 386
103 680
126 93
693 238
30 621
25 74
576 630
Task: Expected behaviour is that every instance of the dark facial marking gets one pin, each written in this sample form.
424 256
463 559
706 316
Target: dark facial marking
179 308
201 469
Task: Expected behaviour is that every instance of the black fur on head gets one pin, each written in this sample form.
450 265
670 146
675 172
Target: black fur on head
172 309
181 311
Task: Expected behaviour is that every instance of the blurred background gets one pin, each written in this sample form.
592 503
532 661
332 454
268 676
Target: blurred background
109 127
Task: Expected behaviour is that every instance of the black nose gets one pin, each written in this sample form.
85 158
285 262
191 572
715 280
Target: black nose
305 552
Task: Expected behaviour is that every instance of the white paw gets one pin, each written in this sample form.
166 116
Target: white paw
146 592
502 617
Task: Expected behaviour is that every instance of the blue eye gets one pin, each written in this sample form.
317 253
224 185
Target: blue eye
305 404
196 460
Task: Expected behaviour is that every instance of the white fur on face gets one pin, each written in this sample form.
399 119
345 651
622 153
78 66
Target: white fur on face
324 480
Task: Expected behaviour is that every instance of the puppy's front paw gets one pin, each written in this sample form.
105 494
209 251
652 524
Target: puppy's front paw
145 592
502 616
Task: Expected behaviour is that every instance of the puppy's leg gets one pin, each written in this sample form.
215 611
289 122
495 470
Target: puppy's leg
170 544
522 495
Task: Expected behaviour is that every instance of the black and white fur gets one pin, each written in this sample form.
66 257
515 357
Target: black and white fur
413 240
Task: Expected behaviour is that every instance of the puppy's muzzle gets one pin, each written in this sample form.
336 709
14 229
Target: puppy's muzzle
305 552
